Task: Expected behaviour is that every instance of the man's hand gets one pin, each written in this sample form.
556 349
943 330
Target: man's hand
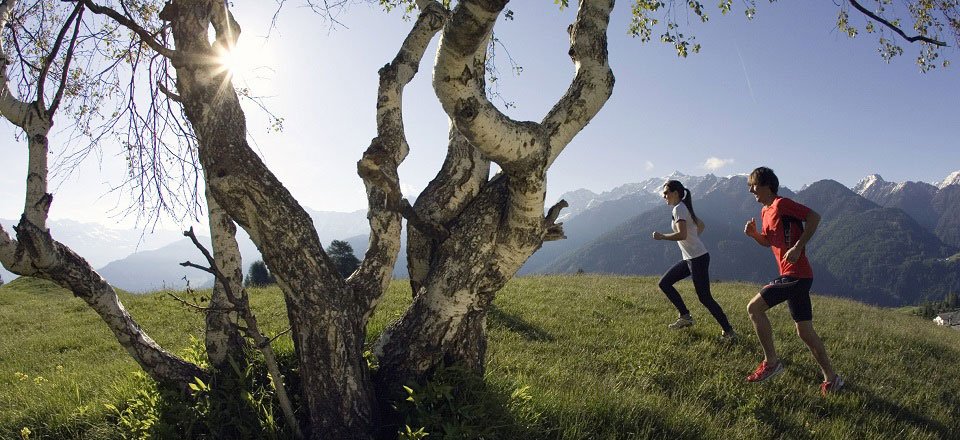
657 236
751 228
793 255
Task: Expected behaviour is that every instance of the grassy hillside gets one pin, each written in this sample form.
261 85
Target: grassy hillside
589 355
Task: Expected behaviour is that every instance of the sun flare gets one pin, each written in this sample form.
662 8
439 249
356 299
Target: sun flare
235 61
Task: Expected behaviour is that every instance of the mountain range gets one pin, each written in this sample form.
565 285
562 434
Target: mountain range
882 243
138 261
887 243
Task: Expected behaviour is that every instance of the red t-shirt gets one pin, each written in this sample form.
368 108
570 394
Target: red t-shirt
781 228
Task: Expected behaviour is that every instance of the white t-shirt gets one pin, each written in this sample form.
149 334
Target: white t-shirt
691 247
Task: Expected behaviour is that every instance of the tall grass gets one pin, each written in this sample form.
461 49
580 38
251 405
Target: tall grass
590 356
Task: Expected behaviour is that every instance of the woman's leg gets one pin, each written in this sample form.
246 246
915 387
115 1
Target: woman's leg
700 270
676 273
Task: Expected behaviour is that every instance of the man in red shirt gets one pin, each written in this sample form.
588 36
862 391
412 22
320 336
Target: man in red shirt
786 227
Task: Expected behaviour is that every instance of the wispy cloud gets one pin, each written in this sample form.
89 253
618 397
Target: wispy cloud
715 163
745 75
647 166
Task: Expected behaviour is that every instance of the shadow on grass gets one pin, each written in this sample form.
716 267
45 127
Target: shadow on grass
516 324
905 416
598 420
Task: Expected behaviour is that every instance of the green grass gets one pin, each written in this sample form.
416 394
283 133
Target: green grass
593 351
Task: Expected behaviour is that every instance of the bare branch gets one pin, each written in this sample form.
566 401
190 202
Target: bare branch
170 94
554 211
42 78
893 27
188 303
252 330
553 230
126 22
66 64
197 266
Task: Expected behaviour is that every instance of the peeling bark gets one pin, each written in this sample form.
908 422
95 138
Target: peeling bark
456 280
378 167
222 336
35 253
327 313
469 234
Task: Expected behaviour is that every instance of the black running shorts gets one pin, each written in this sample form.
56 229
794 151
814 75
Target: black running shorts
795 291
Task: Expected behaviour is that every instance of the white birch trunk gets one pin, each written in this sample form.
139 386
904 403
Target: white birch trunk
35 253
502 226
222 336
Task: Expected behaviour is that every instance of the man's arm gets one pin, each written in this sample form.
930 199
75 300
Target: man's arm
751 230
810 227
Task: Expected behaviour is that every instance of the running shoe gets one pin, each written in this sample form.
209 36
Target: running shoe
681 322
729 336
831 387
764 371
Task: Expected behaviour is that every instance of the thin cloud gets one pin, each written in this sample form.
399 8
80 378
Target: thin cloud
715 163
647 166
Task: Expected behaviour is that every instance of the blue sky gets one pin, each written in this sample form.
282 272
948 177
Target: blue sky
785 90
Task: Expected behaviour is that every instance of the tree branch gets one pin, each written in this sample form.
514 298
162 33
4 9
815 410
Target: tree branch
66 64
378 166
459 82
433 230
253 331
593 83
170 94
188 303
553 230
13 109
896 29
45 68
126 22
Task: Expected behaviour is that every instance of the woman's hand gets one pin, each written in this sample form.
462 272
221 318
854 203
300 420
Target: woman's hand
657 236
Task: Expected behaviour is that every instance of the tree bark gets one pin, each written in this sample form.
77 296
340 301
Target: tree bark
327 313
499 228
35 253
222 336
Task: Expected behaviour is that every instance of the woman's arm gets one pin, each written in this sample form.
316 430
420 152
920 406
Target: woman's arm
680 234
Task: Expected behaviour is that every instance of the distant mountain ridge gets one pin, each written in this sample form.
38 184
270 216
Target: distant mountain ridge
139 261
873 253
901 238
935 207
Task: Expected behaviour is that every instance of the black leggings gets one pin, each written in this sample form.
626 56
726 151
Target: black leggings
700 269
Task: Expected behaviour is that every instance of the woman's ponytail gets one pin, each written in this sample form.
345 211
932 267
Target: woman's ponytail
688 200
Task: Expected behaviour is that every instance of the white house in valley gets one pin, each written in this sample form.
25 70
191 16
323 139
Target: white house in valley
949 319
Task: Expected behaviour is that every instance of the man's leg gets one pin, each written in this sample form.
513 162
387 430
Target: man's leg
758 314
813 341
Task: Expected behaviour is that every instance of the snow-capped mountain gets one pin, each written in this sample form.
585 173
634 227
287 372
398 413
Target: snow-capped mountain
952 179
874 187
138 260
882 192
646 193
932 206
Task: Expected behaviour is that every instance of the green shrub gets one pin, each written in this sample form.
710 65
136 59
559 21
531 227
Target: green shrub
238 403
458 404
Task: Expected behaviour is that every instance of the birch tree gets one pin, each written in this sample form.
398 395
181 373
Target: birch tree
33 251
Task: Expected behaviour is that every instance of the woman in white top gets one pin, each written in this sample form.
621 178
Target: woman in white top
695 263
